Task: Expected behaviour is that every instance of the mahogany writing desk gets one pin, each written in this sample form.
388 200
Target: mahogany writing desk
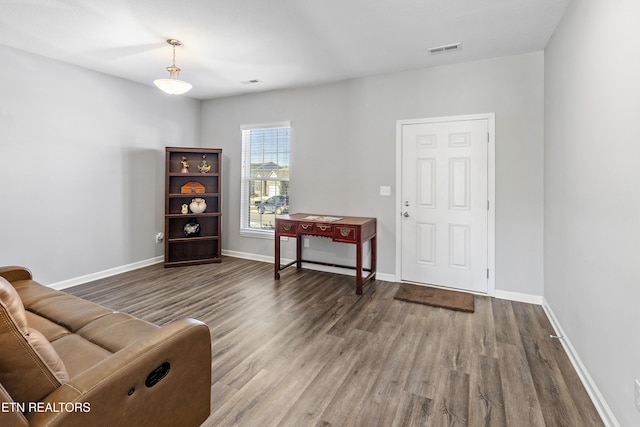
346 229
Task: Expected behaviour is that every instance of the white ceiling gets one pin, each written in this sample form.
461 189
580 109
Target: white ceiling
282 43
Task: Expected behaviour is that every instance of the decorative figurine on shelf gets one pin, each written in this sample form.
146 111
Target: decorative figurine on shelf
204 167
185 208
191 228
185 165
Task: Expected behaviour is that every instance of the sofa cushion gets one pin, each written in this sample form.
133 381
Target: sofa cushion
79 354
66 310
51 331
30 368
116 331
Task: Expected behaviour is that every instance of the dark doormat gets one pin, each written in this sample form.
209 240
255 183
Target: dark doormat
436 297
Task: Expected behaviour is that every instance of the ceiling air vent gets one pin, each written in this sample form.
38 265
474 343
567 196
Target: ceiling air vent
443 49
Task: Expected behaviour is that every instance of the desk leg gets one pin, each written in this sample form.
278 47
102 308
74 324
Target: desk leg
276 262
359 268
299 252
374 257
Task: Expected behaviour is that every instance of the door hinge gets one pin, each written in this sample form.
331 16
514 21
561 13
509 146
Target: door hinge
487 273
488 137
487 205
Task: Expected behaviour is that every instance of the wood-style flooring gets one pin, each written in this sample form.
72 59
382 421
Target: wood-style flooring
306 351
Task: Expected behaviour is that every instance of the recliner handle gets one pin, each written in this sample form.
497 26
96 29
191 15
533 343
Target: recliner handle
157 374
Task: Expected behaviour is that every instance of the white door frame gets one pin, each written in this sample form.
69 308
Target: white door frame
491 190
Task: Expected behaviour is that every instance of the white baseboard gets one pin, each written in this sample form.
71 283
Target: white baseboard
105 273
512 296
517 296
247 255
317 267
236 254
601 405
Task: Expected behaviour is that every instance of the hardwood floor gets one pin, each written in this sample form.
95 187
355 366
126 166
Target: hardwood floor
307 351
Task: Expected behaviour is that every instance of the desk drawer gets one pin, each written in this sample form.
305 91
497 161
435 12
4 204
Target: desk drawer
305 228
286 228
344 233
323 230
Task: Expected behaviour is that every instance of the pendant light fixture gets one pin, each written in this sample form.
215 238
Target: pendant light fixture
173 85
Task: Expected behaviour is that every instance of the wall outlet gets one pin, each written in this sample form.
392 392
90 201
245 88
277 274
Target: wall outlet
637 395
385 190
159 237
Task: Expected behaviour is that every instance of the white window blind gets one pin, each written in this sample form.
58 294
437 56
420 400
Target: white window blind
265 177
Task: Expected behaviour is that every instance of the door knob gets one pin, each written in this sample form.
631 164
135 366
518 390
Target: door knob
406 214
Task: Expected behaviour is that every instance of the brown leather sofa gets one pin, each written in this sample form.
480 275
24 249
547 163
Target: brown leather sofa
69 362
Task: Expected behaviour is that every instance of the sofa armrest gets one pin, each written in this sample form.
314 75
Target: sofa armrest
14 273
113 392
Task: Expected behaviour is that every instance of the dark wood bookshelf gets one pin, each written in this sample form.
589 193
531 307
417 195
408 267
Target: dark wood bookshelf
205 246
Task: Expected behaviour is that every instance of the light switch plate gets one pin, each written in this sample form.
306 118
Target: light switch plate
385 190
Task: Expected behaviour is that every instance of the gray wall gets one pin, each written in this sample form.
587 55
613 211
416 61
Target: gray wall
592 198
82 156
344 145
81 166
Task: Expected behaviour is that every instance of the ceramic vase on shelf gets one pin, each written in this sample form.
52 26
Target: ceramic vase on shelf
198 205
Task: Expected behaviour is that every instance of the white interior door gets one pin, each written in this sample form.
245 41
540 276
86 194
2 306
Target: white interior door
444 196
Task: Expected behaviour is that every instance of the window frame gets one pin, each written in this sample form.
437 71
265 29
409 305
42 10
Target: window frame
245 179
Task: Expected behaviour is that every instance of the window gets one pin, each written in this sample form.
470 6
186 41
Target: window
265 177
